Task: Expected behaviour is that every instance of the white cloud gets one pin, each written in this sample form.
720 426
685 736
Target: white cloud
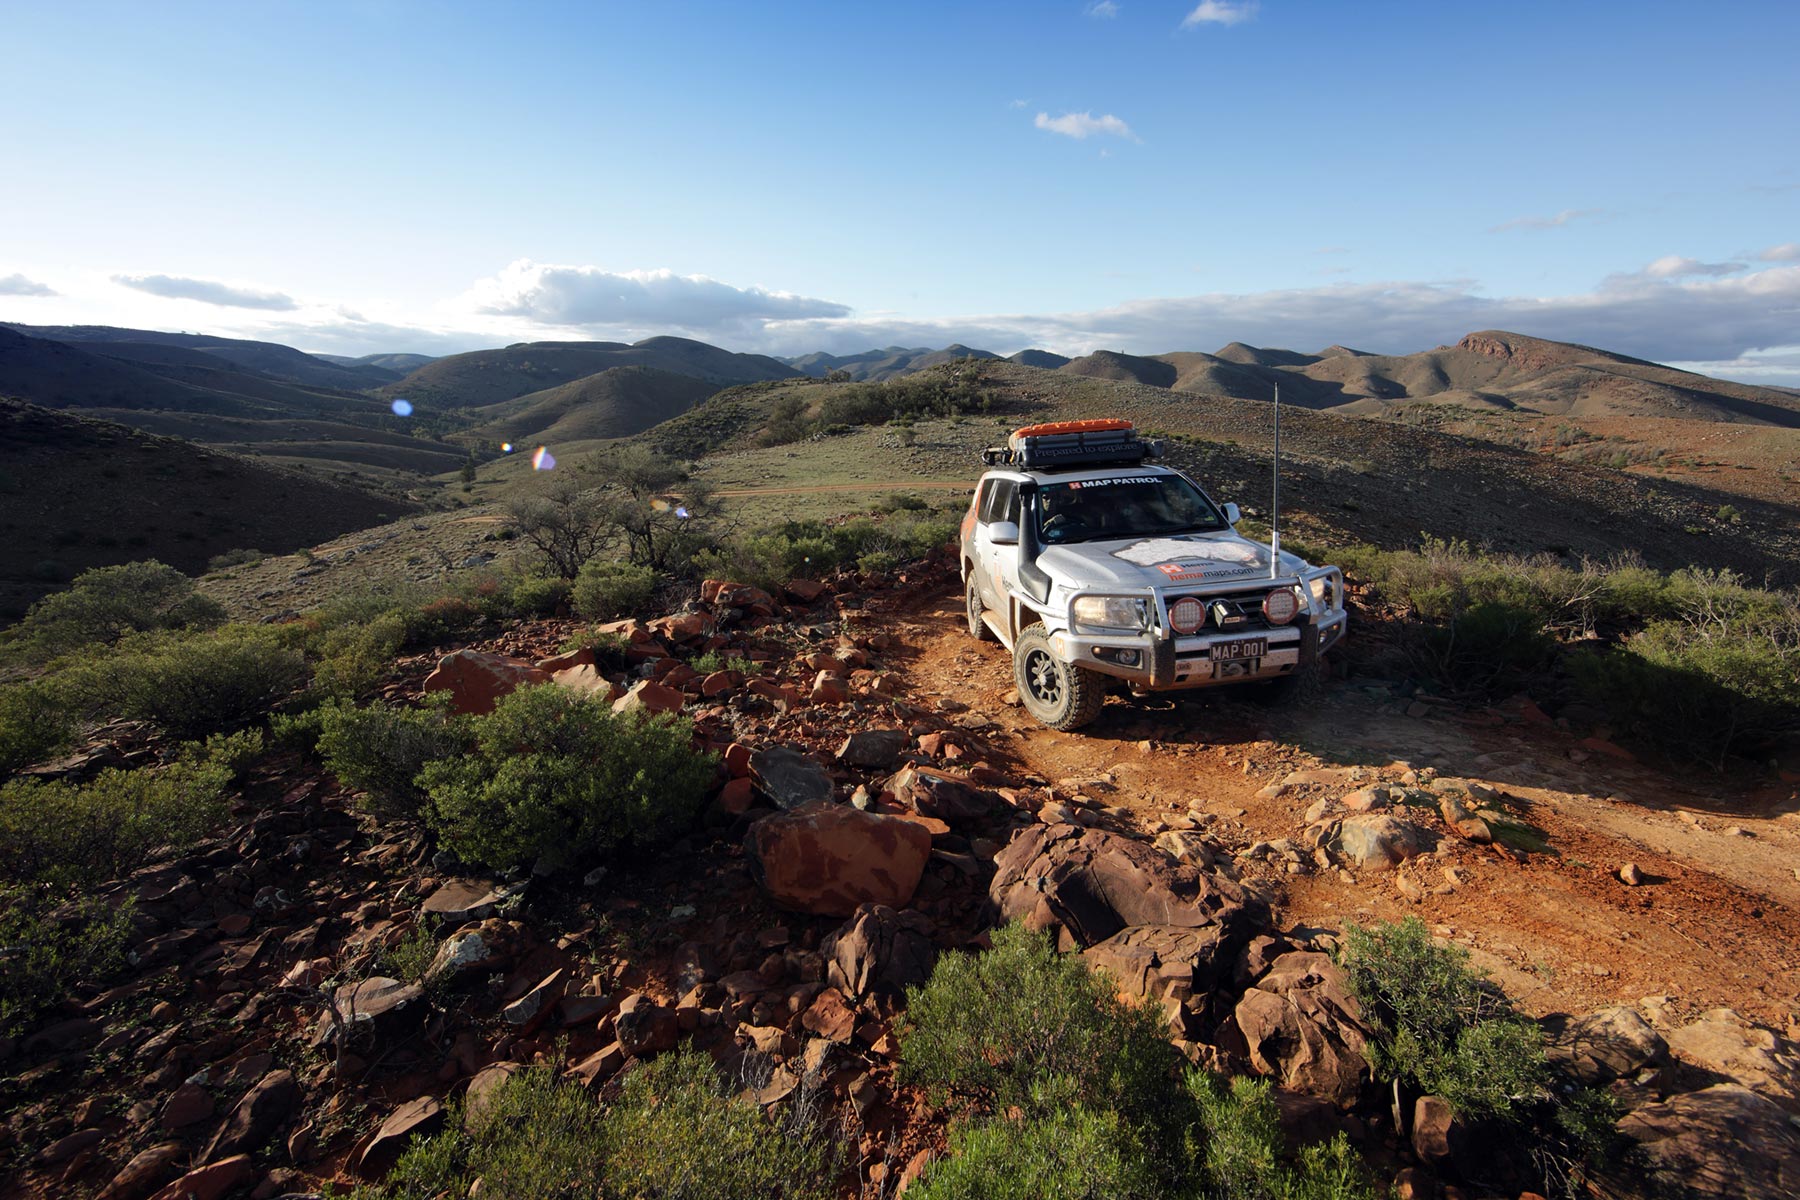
206 291
1556 222
1103 9
586 297
1786 252
18 285
1219 12
1086 124
1674 266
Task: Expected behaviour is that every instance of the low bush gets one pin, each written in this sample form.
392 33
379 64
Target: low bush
198 684
35 724
1024 1027
558 777
234 558
1439 1027
105 604
381 749
71 834
1078 1153
439 619
604 590
50 946
354 658
1244 1153
538 595
675 1133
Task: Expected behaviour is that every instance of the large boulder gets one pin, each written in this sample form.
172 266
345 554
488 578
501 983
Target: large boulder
1303 1028
1093 883
1723 1044
1167 962
1377 841
874 749
476 680
1722 1143
829 858
1602 1046
879 950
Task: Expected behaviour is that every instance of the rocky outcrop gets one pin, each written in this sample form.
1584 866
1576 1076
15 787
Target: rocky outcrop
476 681
1722 1143
1725 1045
829 858
879 950
1303 1028
1614 1043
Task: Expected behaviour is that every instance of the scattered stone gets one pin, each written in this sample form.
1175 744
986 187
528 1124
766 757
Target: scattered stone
147 1169
212 1181
262 1111
934 793
1366 799
189 1104
459 901
1166 962
379 1004
599 1066
1630 876
650 697
789 778
1466 824
1186 846
830 1017
644 1027
480 1093
534 1004
477 680
873 749
1433 1125
828 859
585 680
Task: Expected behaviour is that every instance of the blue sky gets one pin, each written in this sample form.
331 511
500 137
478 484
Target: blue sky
1137 175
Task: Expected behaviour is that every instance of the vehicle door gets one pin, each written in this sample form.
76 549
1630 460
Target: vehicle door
996 563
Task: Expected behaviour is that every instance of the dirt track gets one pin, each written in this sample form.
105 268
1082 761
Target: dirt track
1716 924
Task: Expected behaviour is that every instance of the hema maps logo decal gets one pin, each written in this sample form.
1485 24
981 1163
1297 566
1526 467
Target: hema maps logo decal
1184 560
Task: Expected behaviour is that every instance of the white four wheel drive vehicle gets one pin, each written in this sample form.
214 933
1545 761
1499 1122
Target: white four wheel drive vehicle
1092 565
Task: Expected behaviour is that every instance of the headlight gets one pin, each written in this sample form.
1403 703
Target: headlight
1111 612
1281 606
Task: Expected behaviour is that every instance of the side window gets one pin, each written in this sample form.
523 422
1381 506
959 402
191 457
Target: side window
1000 502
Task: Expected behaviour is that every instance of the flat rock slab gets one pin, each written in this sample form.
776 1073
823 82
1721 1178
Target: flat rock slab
874 749
460 901
829 858
1722 1143
789 778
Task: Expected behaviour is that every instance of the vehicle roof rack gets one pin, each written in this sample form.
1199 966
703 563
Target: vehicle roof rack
1065 444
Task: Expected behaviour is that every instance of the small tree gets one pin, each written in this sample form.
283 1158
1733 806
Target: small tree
566 521
660 526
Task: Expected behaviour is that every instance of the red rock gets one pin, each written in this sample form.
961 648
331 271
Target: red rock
416 1118
599 1066
583 657
737 796
933 744
234 925
824 660
828 858
631 629
650 697
828 689
584 679
476 680
65 1148
804 590
645 1027
742 595
137 1177
679 675
189 1104
718 683
830 1017
481 1089
263 1110
1431 1130
682 627
212 1181
879 950
737 760
934 793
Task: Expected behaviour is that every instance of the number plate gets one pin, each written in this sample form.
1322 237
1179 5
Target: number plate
1238 651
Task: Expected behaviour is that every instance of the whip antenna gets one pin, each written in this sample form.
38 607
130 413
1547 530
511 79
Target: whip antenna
1275 497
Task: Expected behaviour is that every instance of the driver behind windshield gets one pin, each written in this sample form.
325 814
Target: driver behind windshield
1108 509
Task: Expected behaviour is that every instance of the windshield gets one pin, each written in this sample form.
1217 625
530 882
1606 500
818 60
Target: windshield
1092 510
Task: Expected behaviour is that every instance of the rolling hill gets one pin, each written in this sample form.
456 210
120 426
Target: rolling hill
264 358
876 365
485 377
616 402
76 492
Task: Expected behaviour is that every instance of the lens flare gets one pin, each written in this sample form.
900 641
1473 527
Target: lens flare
402 408
506 447
658 504
542 459
681 511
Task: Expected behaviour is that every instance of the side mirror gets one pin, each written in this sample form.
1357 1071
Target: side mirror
1004 533
1232 515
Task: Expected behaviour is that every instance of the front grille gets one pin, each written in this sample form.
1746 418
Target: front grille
1230 613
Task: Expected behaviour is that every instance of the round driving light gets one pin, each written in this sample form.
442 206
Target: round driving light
1280 606
1187 614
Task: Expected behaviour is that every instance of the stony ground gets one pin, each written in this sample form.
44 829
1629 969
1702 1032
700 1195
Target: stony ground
1233 843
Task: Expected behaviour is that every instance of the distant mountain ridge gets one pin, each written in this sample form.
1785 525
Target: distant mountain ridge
873 366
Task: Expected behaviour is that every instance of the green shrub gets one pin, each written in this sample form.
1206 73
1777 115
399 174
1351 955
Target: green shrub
439 619
48 948
538 595
381 749
536 1137
1079 1154
604 590
85 834
35 724
199 684
1439 1027
234 558
411 956
1491 646
1023 1026
559 777
106 603
354 658
1242 1148
675 1134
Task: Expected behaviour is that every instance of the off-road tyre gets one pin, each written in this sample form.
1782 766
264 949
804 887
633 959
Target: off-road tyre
973 608
1060 695
1304 682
